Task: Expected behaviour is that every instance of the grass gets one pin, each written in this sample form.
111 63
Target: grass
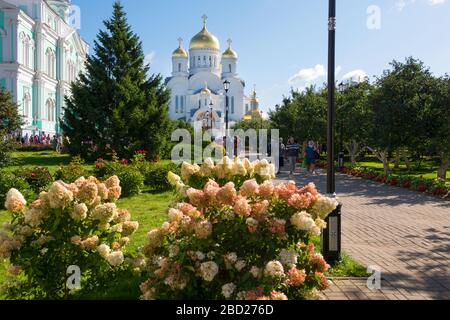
149 209
426 169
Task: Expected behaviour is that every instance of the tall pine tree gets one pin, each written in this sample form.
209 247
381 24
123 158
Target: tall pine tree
115 105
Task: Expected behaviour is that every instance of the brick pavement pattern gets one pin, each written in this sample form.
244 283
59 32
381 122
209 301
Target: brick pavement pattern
405 233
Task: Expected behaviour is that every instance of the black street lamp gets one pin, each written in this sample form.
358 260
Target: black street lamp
331 236
226 86
341 88
211 105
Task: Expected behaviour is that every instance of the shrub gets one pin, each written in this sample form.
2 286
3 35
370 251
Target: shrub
156 175
438 188
71 172
9 181
38 178
35 147
130 175
247 244
132 180
74 224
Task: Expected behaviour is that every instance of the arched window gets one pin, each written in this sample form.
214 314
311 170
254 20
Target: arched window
206 102
51 62
179 67
50 106
199 104
215 62
229 68
210 61
182 104
27 105
232 105
176 104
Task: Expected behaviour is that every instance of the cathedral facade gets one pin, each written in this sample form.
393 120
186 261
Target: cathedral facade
40 55
197 84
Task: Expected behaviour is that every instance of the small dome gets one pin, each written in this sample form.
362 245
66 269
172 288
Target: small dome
180 53
229 53
205 90
204 39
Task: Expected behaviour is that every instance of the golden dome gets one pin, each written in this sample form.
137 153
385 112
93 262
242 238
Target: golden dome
205 90
204 39
180 53
229 53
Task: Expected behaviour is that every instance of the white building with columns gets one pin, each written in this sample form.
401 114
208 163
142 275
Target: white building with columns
40 55
197 81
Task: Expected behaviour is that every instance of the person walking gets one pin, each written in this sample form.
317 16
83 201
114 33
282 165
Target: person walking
311 157
282 150
292 150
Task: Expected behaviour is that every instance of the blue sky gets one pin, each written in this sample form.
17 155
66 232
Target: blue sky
283 43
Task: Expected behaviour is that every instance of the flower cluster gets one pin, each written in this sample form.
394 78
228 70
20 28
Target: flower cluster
250 242
79 223
224 171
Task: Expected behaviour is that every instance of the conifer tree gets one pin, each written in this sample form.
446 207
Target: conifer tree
115 104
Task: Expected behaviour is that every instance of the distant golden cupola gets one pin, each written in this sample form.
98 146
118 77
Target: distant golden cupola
180 53
205 39
205 90
229 53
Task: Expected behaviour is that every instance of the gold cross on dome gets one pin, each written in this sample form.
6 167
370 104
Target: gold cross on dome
180 41
204 18
229 42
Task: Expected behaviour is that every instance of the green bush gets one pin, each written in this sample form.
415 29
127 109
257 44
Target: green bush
72 171
104 169
131 180
38 178
156 175
9 181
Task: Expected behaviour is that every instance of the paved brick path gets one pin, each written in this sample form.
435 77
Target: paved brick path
405 233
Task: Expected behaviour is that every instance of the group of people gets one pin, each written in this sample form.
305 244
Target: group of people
291 152
40 139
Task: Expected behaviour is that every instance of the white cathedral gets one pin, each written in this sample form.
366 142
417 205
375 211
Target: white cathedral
197 84
41 53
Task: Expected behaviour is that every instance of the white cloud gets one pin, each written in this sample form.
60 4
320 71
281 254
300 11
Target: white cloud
150 58
401 4
355 75
338 70
307 76
436 2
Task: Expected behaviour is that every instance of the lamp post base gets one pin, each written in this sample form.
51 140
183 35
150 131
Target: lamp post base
331 237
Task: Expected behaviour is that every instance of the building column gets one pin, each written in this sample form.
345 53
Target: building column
37 102
38 44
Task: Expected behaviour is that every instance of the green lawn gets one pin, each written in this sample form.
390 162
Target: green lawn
426 169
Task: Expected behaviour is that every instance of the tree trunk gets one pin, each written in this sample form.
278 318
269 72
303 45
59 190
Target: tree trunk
407 162
353 150
397 159
381 155
445 165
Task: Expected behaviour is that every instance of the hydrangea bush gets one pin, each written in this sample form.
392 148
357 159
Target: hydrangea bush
251 242
237 171
75 224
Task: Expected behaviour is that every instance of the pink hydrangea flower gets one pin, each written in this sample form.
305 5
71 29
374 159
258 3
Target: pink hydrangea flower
250 188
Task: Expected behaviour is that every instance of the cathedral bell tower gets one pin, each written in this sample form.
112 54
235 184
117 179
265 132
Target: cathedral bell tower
62 7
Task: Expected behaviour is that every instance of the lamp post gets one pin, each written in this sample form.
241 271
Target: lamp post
341 88
211 105
226 86
331 236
